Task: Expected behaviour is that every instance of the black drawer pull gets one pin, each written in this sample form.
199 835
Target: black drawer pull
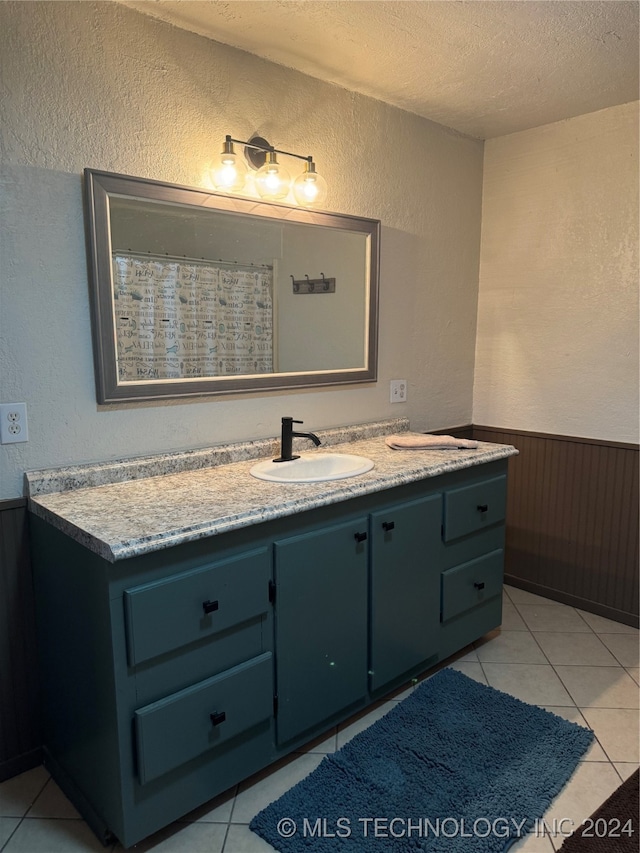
482 507
218 717
360 537
209 606
479 585
388 525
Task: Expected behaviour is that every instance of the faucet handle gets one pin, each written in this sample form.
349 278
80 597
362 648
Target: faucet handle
291 420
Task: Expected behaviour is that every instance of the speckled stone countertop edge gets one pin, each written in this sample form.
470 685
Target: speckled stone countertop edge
85 476
417 466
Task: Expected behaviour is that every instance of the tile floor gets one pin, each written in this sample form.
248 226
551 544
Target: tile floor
580 666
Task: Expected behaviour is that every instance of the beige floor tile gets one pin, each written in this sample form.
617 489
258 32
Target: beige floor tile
257 792
510 647
599 686
184 838
601 625
559 618
35 835
354 726
634 672
595 751
616 730
561 647
511 619
17 795
7 826
52 803
623 646
240 839
471 668
537 684
625 768
468 654
587 789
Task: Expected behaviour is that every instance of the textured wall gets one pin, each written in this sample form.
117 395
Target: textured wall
557 341
99 85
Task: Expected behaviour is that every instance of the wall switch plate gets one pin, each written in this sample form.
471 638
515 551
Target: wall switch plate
398 391
13 423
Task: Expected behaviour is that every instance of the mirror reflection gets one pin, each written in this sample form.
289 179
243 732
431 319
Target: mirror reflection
199 293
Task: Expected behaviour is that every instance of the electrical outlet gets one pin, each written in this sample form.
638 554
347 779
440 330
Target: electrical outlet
13 423
398 391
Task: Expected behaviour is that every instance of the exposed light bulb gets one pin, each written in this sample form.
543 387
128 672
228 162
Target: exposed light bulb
229 172
272 180
310 188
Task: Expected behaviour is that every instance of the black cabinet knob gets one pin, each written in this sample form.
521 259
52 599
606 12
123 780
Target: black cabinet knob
479 585
482 507
388 525
360 537
218 717
209 606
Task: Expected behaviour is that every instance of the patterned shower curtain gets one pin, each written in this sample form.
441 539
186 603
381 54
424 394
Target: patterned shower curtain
178 319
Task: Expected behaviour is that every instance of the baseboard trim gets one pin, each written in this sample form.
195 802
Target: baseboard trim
12 503
20 763
574 601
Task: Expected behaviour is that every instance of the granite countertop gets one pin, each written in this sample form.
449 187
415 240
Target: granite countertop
153 509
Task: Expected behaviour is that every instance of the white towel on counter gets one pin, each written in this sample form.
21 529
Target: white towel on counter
424 441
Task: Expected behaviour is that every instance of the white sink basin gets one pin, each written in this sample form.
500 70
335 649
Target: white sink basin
315 468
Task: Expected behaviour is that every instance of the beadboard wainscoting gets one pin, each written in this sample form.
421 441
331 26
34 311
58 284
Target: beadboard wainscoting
19 716
572 520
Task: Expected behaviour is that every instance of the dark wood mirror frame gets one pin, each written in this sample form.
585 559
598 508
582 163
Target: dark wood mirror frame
100 187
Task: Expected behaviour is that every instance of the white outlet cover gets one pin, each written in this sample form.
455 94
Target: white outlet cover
398 391
13 423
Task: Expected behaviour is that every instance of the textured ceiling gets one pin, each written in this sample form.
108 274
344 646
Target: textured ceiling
482 67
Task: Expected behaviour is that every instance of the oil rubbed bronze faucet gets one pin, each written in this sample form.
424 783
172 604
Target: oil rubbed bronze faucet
288 434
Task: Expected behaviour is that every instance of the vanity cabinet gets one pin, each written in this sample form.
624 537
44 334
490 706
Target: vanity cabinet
170 676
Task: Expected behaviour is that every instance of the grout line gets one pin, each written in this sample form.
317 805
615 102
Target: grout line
226 834
24 816
15 829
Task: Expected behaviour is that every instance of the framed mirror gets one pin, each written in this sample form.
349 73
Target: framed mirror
198 293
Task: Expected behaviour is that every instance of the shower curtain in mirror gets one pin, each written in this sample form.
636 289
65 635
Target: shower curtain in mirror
178 319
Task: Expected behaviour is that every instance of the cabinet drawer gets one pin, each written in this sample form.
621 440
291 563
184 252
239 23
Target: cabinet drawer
167 614
474 507
180 727
471 583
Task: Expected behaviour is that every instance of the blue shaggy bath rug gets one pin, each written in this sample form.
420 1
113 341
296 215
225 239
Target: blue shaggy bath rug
457 767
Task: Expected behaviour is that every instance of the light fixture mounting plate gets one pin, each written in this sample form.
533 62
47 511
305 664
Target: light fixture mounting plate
257 157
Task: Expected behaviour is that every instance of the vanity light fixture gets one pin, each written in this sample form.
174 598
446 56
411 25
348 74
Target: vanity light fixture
272 180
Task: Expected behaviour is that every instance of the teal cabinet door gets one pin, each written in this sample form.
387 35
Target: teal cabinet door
405 588
321 625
